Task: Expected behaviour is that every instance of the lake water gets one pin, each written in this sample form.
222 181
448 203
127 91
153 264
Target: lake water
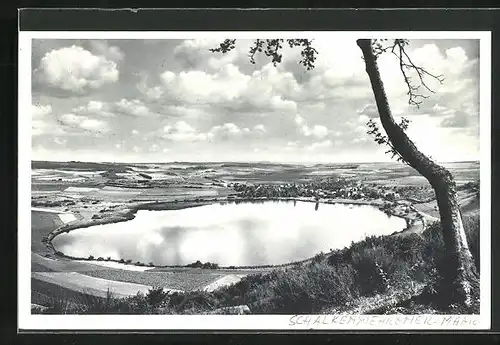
248 233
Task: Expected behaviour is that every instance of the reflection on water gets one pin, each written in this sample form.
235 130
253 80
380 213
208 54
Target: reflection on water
231 233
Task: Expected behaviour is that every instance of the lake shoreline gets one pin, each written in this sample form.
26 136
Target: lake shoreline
128 212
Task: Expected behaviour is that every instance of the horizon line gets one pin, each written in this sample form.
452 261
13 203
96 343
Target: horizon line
236 161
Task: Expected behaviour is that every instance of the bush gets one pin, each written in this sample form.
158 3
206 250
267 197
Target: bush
319 257
135 305
91 257
206 265
472 226
89 304
59 304
156 296
311 289
368 267
210 265
434 244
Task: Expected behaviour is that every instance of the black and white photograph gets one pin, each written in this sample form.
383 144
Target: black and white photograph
254 180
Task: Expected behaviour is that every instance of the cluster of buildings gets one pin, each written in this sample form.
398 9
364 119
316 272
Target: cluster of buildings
331 188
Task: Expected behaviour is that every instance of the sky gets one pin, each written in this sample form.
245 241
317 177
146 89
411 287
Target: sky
174 100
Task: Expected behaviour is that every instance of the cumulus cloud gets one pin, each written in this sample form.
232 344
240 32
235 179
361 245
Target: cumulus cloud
464 116
458 119
228 87
94 125
194 54
110 52
202 87
320 145
210 101
83 122
363 119
71 119
318 131
225 131
94 108
260 128
39 111
369 110
359 140
76 69
39 123
41 127
154 148
60 141
134 107
183 132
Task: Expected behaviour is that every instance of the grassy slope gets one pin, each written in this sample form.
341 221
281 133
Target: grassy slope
44 222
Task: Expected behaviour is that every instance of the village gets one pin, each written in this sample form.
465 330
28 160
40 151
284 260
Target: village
329 188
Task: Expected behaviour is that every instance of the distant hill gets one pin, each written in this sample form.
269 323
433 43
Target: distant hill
86 166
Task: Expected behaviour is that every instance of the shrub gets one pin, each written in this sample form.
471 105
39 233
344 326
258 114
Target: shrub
196 264
91 257
310 289
210 265
89 304
59 304
206 265
319 257
135 305
156 296
472 226
368 277
194 302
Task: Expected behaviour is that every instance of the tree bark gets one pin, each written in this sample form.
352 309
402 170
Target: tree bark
461 274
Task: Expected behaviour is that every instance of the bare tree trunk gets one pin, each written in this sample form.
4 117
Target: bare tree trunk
461 273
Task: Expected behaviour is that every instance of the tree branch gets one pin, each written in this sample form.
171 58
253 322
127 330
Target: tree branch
272 49
406 65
